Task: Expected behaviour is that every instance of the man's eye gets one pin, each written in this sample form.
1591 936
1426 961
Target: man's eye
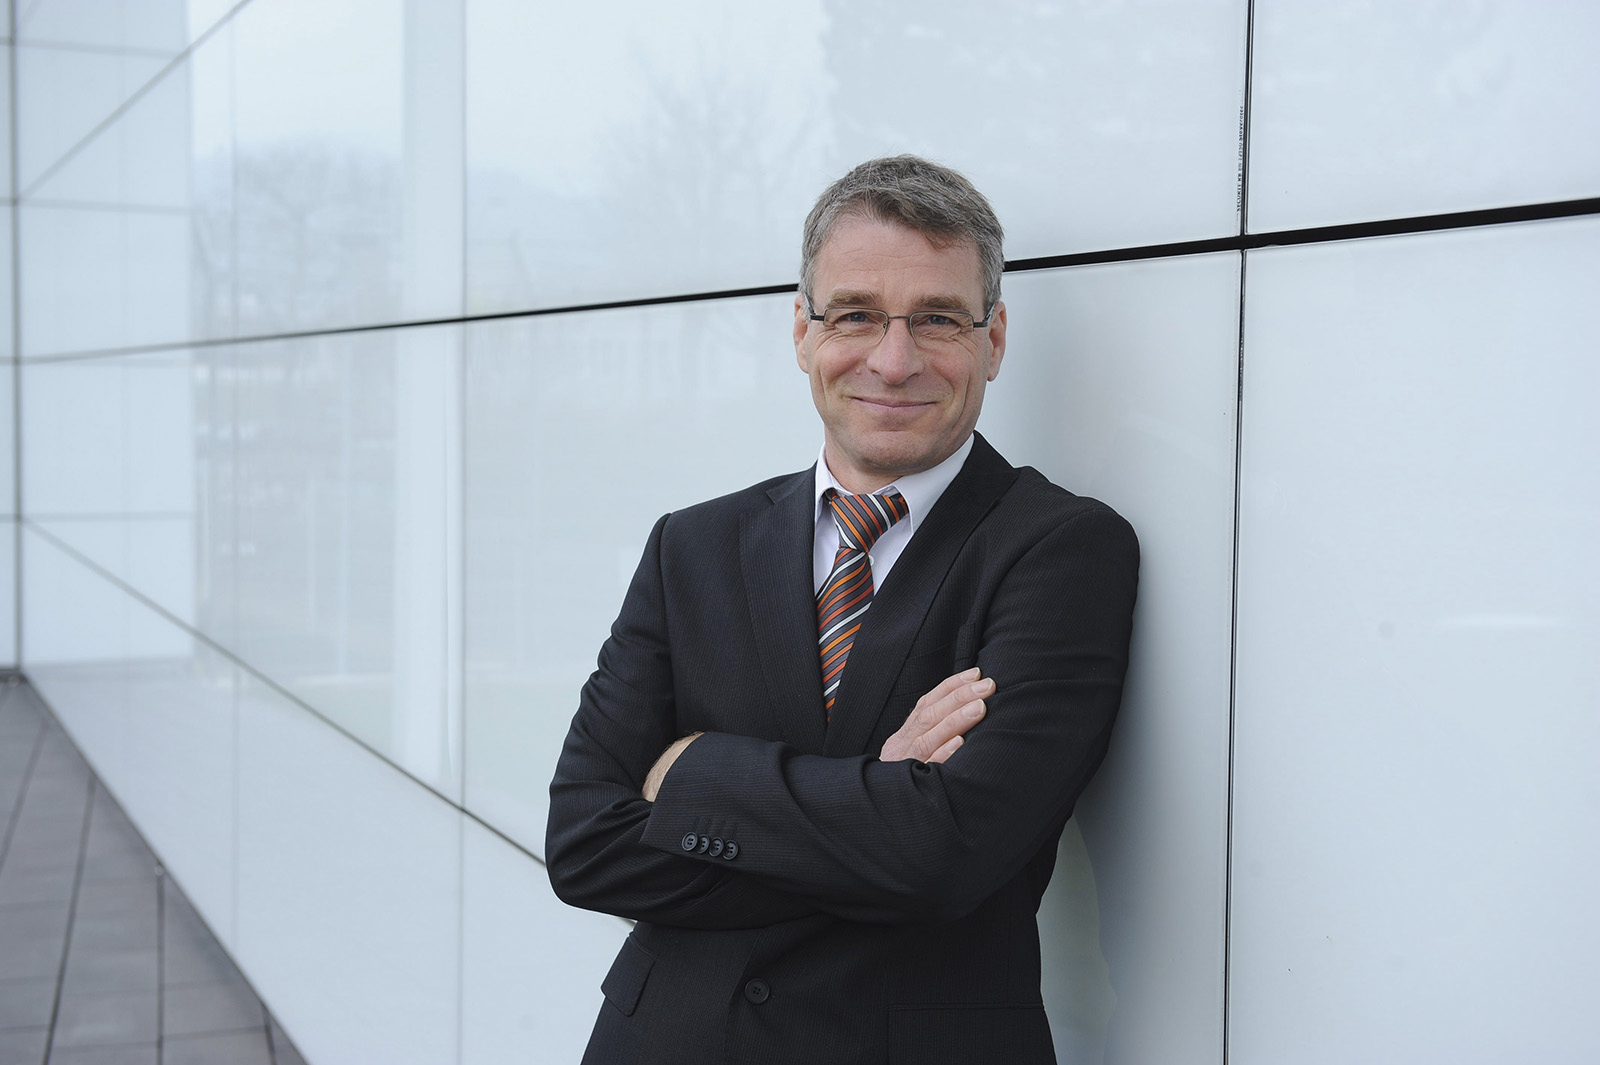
854 318
940 321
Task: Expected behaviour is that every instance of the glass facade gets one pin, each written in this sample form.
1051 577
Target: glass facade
317 314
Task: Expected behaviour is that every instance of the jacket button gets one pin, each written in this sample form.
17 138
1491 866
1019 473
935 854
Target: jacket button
757 991
730 851
704 844
691 841
716 847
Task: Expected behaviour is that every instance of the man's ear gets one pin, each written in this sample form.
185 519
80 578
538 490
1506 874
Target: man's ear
802 326
997 338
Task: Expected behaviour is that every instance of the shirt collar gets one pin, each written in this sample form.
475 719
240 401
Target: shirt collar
920 490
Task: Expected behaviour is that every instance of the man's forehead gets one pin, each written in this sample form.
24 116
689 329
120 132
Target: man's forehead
864 257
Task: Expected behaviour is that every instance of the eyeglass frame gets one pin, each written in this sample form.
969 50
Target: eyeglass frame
812 315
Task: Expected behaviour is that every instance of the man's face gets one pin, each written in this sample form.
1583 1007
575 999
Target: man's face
891 406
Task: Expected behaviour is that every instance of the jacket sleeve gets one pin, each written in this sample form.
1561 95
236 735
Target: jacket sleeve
594 838
904 841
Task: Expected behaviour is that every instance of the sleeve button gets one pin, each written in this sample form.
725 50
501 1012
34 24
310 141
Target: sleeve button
690 841
716 847
730 851
704 844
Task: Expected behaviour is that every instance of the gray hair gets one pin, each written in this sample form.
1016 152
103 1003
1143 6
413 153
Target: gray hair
908 190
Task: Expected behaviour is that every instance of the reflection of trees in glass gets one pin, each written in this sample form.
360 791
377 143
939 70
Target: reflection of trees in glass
295 448
1040 103
317 236
694 194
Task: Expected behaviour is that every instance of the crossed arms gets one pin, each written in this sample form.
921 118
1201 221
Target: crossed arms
946 812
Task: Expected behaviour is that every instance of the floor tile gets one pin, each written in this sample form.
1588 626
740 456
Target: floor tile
130 897
114 931
106 1017
226 1006
126 1054
48 885
31 939
137 952
111 970
234 1048
26 1003
23 1046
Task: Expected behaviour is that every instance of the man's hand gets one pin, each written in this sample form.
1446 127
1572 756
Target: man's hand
939 720
658 772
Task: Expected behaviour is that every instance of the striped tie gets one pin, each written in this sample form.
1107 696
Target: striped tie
847 592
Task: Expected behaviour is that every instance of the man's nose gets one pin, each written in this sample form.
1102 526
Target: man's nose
897 357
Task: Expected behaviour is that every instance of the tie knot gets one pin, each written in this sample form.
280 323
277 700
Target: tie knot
862 519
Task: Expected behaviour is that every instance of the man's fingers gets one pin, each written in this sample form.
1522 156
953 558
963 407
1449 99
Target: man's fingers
951 726
947 686
946 712
945 750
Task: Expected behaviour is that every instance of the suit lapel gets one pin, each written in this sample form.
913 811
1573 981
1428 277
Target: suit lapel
775 549
899 607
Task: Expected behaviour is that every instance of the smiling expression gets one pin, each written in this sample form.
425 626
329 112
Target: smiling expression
891 407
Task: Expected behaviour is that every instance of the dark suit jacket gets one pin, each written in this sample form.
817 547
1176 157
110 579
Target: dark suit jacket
797 899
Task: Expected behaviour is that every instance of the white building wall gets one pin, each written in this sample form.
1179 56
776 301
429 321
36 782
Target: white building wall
310 362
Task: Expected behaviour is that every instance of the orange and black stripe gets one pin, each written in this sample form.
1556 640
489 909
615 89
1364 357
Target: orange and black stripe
847 592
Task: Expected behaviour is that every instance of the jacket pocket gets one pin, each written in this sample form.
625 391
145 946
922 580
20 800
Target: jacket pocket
1016 1035
625 982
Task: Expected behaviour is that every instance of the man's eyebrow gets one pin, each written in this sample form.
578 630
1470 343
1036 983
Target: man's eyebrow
854 297
938 301
942 302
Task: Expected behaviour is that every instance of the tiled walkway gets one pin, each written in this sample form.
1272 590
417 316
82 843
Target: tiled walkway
102 959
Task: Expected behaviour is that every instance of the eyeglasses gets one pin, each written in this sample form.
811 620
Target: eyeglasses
871 324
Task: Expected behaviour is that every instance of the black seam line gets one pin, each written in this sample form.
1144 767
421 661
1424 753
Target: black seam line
420 323
126 105
1491 216
1238 471
146 601
1387 227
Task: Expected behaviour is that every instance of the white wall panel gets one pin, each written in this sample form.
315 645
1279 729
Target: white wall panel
63 93
126 25
8 593
110 452
5 121
93 278
178 783
1113 399
1417 684
1364 110
7 285
348 173
141 158
8 440
74 643
642 156
530 965
72 436
633 413
342 570
349 892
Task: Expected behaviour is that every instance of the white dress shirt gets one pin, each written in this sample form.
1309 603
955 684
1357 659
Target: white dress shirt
920 490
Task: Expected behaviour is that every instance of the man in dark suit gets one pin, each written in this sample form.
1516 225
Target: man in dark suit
844 714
